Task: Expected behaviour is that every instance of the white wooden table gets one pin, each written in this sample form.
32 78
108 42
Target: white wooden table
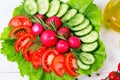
9 70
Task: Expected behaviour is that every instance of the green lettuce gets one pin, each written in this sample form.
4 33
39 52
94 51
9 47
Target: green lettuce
90 11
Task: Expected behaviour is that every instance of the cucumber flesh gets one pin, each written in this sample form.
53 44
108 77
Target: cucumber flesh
87 58
53 8
77 19
91 37
81 26
90 47
43 6
30 7
82 65
63 9
84 31
69 14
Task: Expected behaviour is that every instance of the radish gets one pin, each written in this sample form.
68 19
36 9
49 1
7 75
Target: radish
64 31
40 16
37 29
48 38
56 20
74 42
62 46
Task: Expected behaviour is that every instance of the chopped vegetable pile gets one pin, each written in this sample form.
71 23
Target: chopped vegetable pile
53 40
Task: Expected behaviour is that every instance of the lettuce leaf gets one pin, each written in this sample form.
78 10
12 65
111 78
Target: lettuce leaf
90 11
100 56
5 33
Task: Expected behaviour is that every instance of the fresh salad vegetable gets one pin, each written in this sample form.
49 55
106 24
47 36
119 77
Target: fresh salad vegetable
114 75
53 40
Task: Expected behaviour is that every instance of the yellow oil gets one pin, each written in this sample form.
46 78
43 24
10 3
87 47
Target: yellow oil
112 14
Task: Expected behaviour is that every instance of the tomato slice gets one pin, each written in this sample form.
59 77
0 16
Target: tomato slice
20 31
27 53
58 64
20 20
37 57
70 65
47 59
22 41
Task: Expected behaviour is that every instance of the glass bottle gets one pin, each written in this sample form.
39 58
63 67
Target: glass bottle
112 14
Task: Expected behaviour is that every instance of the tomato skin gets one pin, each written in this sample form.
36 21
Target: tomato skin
114 76
47 59
27 53
20 31
37 57
119 67
20 20
69 66
58 64
22 41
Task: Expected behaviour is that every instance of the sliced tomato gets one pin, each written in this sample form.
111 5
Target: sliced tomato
22 41
70 65
27 53
37 57
20 31
58 64
20 20
47 59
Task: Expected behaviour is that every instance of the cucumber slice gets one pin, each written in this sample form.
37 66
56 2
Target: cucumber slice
63 9
83 66
53 8
77 19
89 47
43 6
84 31
30 7
91 37
81 26
69 14
87 58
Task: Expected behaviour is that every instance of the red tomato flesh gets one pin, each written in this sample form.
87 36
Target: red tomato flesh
37 57
20 20
20 31
47 59
22 41
70 65
58 64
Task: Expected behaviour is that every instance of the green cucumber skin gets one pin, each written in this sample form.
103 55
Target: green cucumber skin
63 9
30 7
53 8
69 14
43 6
89 47
84 32
87 58
76 20
91 37
83 66
81 26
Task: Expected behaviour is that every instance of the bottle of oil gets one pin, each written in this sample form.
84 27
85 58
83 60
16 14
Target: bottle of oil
112 14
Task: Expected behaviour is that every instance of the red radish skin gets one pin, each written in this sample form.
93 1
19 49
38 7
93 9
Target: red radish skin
40 16
64 31
56 20
62 46
37 29
74 42
48 38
